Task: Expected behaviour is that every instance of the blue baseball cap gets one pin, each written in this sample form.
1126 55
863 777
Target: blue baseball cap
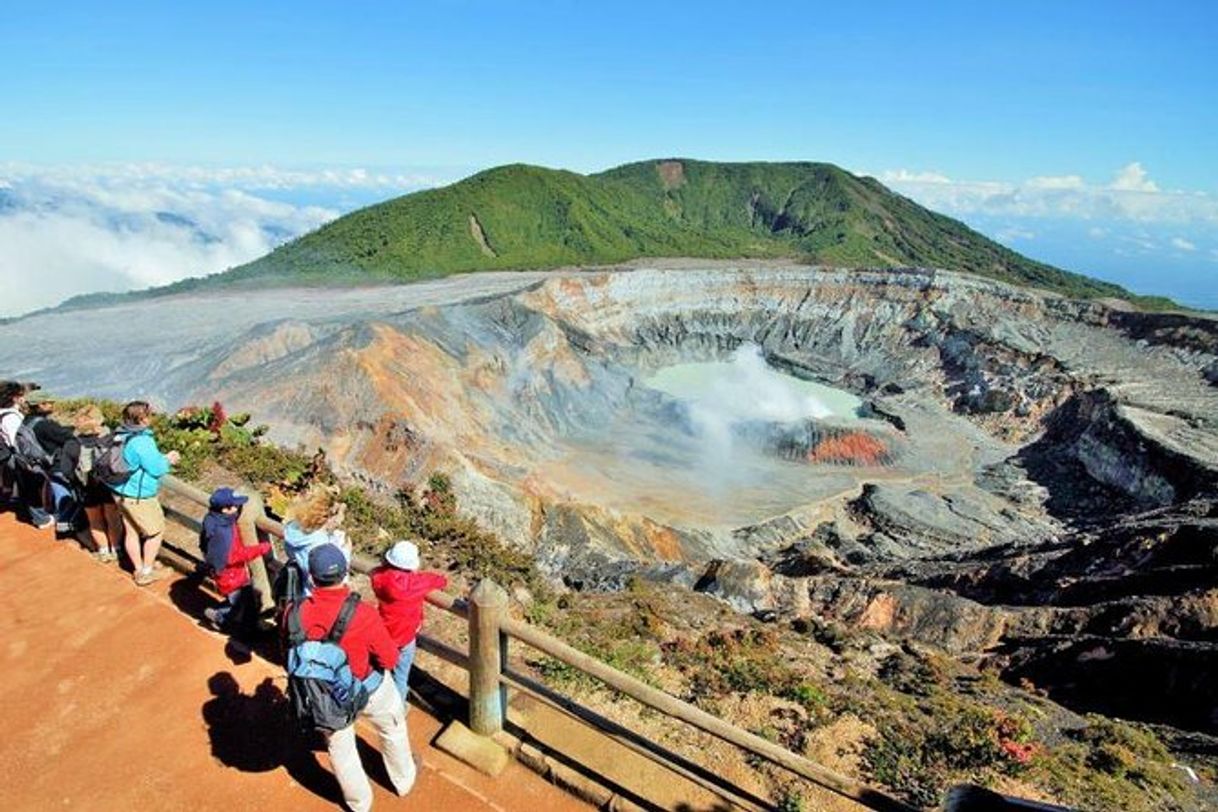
327 565
226 497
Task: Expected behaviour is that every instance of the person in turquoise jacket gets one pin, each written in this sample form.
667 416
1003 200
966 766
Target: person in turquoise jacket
143 517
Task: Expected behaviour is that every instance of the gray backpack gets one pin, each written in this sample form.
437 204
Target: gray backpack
109 466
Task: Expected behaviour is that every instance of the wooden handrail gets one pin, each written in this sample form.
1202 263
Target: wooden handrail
630 686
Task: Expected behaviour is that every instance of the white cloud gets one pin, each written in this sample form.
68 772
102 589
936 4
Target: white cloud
1056 182
1132 195
1015 234
1097 233
1132 178
905 176
1183 244
71 230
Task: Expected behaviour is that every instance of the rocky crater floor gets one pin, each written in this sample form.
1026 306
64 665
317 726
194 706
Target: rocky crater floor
1016 478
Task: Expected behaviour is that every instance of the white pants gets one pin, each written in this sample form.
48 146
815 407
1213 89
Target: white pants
384 712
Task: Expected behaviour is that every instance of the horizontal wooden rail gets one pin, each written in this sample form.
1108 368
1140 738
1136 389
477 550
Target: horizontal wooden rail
630 686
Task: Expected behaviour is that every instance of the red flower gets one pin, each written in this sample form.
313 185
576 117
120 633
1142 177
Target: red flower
1019 753
218 418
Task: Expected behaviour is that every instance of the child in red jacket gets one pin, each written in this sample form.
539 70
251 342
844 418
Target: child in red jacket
401 590
227 554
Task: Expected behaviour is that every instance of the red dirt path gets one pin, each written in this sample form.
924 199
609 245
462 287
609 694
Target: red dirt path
115 699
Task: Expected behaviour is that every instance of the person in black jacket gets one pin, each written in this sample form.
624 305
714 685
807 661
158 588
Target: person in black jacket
54 438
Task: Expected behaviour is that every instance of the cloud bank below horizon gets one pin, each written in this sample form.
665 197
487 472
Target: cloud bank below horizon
65 231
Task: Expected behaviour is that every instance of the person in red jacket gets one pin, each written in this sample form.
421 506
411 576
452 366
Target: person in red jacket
227 556
370 653
401 590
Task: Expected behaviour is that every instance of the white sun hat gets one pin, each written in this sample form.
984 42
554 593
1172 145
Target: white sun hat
404 555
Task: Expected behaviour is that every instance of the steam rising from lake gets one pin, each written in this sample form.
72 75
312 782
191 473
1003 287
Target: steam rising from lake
719 398
746 389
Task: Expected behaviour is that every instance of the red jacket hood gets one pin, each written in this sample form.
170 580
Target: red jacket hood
401 595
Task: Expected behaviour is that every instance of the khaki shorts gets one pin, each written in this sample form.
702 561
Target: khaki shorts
145 514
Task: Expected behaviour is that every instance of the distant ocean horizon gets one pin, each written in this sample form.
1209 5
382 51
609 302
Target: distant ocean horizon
1151 259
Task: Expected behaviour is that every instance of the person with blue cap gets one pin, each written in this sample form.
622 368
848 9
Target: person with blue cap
370 654
227 556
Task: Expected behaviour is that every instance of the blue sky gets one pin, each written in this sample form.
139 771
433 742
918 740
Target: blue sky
972 93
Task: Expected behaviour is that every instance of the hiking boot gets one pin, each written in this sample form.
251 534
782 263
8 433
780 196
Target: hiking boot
44 524
214 617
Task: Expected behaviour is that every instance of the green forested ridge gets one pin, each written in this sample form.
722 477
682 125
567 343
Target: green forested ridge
519 216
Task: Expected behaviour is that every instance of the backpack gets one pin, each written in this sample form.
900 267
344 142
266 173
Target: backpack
28 452
289 586
322 692
109 466
84 462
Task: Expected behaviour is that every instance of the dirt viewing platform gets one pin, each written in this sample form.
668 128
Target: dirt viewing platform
120 698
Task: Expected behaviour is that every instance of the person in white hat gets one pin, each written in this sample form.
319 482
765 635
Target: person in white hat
401 590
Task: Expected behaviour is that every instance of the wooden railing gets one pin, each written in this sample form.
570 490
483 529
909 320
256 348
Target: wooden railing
491 628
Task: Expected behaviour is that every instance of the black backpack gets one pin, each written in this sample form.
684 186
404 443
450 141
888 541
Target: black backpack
289 586
322 691
29 453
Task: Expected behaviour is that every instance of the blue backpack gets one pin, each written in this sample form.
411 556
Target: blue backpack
322 691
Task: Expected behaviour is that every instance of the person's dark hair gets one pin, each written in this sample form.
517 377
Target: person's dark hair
136 412
9 392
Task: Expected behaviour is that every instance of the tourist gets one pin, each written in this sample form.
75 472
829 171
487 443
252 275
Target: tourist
32 463
54 438
401 589
105 525
227 555
314 519
12 394
370 653
143 517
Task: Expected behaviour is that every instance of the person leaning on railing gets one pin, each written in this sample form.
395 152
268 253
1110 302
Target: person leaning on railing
143 517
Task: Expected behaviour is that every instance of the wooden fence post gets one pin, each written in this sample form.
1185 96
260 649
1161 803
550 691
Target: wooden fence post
487 606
